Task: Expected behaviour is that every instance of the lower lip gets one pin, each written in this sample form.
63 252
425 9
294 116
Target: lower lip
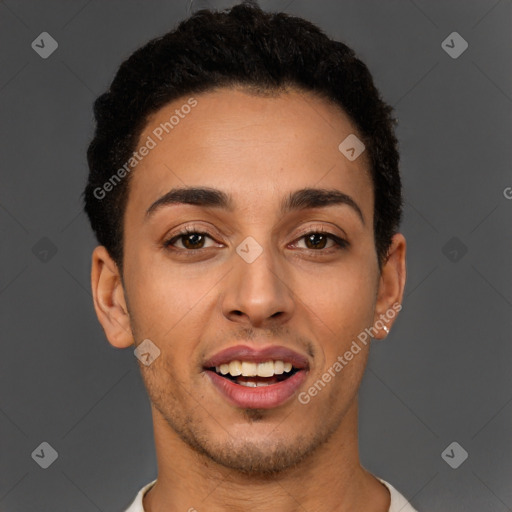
262 397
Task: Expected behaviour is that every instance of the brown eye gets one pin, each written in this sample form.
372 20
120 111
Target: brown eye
193 240
317 240
190 240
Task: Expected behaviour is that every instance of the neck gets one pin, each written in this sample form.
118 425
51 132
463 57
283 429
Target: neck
331 476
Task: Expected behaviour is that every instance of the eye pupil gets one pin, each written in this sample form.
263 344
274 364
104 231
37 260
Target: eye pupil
187 238
316 245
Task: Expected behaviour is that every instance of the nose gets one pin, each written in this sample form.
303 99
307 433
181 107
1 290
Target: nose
258 292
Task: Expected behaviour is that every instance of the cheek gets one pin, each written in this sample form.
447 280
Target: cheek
339 307
344 297
165 301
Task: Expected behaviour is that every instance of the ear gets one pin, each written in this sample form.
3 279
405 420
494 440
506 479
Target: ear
109 299
391 286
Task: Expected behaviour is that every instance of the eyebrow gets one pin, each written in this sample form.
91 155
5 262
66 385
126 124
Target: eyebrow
298 200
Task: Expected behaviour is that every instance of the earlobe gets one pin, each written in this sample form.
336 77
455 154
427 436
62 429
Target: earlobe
109 300
391 286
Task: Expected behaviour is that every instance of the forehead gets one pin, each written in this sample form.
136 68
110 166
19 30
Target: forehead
256 148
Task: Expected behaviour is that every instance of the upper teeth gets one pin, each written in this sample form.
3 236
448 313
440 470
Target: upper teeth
250 369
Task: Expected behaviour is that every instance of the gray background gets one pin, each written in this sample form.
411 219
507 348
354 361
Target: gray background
443 374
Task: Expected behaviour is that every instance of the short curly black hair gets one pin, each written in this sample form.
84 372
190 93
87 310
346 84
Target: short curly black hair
242 46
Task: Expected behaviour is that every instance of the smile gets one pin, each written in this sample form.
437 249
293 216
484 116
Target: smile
262 378
250 374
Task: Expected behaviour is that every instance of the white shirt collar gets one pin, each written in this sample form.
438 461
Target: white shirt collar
398 502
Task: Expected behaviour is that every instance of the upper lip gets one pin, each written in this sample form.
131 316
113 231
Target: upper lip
247 353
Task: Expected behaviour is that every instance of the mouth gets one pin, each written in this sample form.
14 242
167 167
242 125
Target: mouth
250 378
249 374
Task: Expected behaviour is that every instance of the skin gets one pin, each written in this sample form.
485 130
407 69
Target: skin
212 455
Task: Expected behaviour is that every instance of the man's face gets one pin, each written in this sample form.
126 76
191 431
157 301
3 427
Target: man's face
201 295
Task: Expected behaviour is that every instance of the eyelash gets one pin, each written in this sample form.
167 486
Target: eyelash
340 242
